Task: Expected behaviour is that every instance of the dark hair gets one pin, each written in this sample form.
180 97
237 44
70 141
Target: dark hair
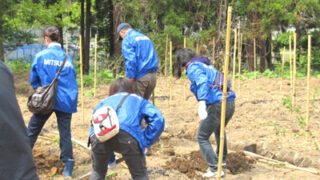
53 33
121 85
183 56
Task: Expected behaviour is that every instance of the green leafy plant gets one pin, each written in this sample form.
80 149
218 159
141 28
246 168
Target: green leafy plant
19 65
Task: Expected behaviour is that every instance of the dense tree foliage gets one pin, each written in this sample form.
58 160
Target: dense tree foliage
200 21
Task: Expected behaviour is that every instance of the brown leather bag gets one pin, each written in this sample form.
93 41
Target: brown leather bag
43 99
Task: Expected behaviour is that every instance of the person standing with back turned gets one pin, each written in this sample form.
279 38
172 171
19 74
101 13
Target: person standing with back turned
43 70
205 86
140 58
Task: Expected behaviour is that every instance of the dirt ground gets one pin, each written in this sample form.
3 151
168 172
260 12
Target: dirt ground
261 124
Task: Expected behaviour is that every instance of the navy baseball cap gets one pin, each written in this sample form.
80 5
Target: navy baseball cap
120 27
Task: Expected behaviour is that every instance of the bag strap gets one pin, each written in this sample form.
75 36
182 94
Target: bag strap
64 61
122 100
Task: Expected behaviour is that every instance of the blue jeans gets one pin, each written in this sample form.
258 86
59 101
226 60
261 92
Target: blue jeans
212 125
64 121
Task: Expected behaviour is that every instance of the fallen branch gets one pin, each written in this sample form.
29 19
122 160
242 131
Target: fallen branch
286 164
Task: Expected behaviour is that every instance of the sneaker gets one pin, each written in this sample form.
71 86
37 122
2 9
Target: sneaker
113 165
211 174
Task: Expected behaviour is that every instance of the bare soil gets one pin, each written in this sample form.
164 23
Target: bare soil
261 124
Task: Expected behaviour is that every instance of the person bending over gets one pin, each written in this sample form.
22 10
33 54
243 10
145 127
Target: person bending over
132 140
203 85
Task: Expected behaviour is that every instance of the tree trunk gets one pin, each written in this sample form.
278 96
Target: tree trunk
111 29
1 52
82 27
86 62
61 35
250 54
262 54
269 52
116 21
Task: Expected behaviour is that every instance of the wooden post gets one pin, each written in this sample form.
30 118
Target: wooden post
166 57
294 68
184 73
239 61
197 48
170 77
213 50
255 61
95 65
282 67
234 57
81 78
225 93
291 69
308 82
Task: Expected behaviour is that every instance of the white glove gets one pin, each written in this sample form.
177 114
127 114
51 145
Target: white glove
202 110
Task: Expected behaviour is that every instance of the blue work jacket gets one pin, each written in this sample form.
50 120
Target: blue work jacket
139 55
130 115
44 68
202 78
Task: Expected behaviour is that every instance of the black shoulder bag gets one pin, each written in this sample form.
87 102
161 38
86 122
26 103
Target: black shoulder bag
43 99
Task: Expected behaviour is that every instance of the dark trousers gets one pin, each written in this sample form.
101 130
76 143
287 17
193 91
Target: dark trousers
145 85
64 121
124 144
212 125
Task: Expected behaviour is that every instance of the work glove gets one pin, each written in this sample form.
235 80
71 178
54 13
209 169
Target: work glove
202 110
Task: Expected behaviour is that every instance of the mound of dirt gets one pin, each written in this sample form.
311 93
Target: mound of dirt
238 162
47 163
188 164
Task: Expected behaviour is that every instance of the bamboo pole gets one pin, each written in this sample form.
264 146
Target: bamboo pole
213 49
239 61
255 61
95 65
225 93
308 82
81 77
234 56
290 61
166 57
282 67
170 77
294 69
197 48
184 73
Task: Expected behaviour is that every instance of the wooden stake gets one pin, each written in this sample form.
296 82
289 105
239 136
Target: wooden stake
255 61
282 67
308 82
234 57
184 73
213 50
197 48
291 69
95 65
81 78
225 93
294 69
166 57
239 61
170 76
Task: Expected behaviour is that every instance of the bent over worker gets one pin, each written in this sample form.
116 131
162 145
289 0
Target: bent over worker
203 77
132 140
140 58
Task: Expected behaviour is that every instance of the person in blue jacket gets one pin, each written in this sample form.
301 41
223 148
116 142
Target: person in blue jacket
43 70
203 85
132 140
140 58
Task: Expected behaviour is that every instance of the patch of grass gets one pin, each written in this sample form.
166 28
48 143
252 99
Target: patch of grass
19 65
